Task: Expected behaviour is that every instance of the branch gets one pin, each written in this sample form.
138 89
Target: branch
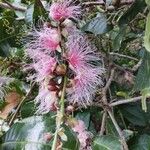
124 56
136 67
125 101
122 138
12 7
103 123
104 101
20 104
92 3
88 4
109 80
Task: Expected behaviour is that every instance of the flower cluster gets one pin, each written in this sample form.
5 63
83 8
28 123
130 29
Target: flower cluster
82 134
82 62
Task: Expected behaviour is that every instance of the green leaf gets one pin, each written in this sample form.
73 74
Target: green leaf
84 116
130 14
148 2
97 25
117 42
110 129
141 142
72 142
134 114
10 30
29 134
35 11
39 10
29 13
143 77
28 109
147 34
106 143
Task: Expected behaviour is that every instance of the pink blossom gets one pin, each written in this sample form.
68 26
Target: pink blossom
64 10
84 86
82 134
82 58
44 66
46 100
79 127
46 39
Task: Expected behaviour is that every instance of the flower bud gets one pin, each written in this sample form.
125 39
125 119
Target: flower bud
70 109
47 137
52 88
61 70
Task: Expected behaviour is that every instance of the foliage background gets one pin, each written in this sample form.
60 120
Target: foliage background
121 32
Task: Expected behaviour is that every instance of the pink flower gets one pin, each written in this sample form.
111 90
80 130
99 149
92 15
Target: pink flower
84 86
46 100
79 127
64 10
82 134
44 66
46 39
4 81
85 62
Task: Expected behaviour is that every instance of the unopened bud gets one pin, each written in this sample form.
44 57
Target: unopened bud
52 83
47 137
61 69
70 108
52 88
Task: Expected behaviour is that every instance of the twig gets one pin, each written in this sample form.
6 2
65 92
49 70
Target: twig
102 3
104 101
13 7
125 101
124 56
20 104
109 81
136 67
92 3
103 123
122 138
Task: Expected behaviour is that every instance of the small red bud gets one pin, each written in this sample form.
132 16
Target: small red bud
52 88
52 83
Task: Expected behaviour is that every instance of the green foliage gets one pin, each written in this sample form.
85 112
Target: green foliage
106 143
118 33
97 25
30 133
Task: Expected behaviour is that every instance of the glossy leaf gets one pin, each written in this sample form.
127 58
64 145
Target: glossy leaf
141 142
106 143
29 134
97 25
119 39
130 14
35 11
134 114
143 77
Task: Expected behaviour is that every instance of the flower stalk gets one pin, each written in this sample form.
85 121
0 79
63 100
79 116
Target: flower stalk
60 114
